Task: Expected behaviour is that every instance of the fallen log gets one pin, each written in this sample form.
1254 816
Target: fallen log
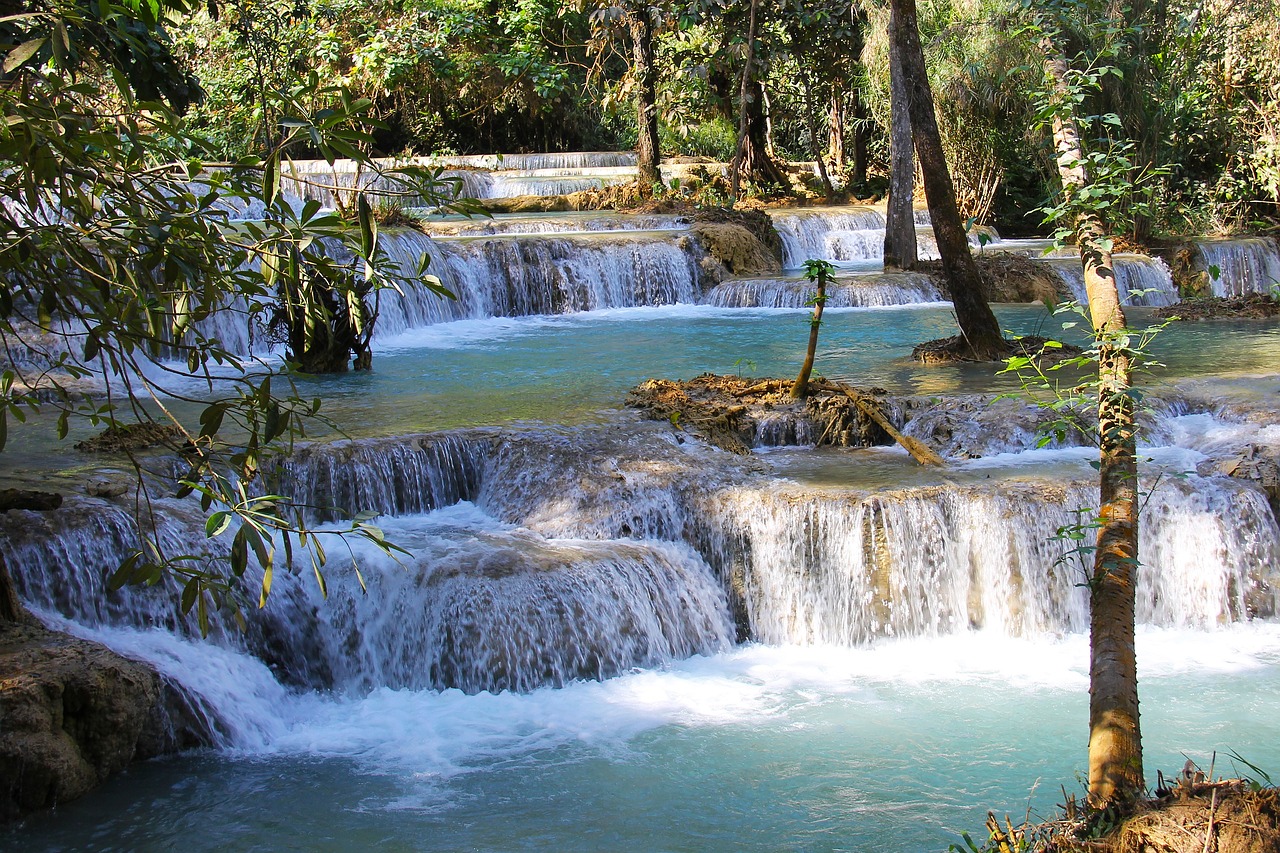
919 451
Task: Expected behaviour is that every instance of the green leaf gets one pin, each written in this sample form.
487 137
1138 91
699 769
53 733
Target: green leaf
22 53
216 524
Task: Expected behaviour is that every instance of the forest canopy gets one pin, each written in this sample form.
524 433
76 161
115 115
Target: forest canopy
1196 86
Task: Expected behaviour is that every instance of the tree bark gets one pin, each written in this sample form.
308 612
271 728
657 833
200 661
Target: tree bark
752 155
835 128
11 609
812 125
800 389
900 221
861 140
646 79
1115 738
759 167
978 325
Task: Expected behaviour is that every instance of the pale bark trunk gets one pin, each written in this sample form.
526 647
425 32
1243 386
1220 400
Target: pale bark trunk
978 325
647 150
900 221
1115 738
800 389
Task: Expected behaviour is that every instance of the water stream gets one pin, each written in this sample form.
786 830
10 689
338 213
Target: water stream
559 662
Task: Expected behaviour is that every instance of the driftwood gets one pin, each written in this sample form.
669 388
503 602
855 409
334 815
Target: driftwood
919 451
27 499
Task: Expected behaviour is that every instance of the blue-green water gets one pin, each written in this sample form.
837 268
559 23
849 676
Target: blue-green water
894 747
567 368
898 747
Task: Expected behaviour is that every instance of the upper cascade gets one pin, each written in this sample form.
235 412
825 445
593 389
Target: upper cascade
1140 280
1244 265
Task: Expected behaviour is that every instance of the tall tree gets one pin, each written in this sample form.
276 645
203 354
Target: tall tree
1115 738
752 154
900 220
645 74
978 326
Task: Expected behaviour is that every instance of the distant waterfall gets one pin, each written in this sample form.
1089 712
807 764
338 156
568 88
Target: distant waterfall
829 233
1140 280
515 276
1249 265
864 292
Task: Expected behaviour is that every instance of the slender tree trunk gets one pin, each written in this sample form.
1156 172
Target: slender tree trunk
812 125
978 325
1115 738
11 609
835 128
646 77
861 140
800 389
735 169
900 220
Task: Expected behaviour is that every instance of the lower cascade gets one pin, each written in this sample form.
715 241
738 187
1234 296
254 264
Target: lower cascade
635 553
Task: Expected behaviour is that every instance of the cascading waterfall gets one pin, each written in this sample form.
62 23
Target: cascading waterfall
482 608
1249 265
829 233
551 223
514 276
1140 280
848 568
862 292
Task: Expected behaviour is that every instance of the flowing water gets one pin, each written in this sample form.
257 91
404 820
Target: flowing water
558 662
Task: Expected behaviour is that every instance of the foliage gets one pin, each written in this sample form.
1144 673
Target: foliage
120 249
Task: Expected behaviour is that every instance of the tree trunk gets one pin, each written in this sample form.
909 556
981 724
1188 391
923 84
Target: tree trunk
978 325
756 164
1115 738
820 271
646 78
835 128
11 609
752 156
861 140
812 126
900 220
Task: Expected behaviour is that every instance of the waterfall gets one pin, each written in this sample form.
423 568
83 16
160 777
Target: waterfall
848 568
493 609
397 476
541 556
552 223
1248 265
829 233
1140 280
563 160
865 292
516 276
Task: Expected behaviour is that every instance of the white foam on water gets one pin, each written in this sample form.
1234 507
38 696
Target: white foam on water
437 735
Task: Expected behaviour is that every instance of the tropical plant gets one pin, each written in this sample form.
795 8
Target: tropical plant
120 249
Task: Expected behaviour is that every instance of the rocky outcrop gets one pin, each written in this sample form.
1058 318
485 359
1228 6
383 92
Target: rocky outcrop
736 248
72 712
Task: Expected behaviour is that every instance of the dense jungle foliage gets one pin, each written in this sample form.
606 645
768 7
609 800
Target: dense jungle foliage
1194 86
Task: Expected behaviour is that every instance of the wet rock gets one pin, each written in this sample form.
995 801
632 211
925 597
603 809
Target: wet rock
736 248
72 713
